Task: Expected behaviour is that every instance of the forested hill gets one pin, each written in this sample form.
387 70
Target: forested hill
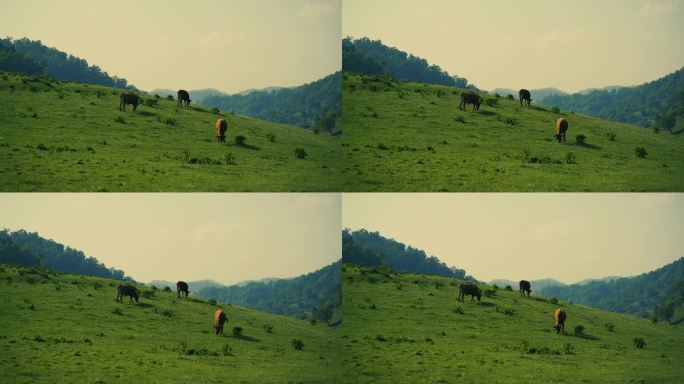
372 249
375 58
659 103
33 58
315 105
30 249
316 295
662 290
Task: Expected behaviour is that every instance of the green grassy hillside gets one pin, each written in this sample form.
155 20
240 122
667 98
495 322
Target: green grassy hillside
408 328
68 328
401 136
60 136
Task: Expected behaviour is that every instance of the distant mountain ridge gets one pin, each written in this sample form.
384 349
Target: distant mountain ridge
537 94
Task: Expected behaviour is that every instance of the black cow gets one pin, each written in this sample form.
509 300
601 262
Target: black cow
182 287
127 290
525 96
525 287
469 289
129 98
183 98
470 98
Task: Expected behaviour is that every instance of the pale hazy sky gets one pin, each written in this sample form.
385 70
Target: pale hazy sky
569 237
228 237
230 45
571 45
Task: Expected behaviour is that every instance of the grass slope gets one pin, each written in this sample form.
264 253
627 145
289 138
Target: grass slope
63 328
401 136
60 136
408 328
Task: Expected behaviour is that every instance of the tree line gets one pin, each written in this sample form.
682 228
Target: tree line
30 249
372 249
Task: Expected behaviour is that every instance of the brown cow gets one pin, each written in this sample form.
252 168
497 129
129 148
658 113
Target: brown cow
183 98
525 287
561 128
470 98
221 128
559 318
127 290
182 287
525 96
219 318
469 289
129 98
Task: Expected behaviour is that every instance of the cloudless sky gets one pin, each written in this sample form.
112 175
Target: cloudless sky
230 45
229 237
568 237
571 45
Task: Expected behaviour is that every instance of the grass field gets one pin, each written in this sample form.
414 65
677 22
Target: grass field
407 328
69 329
402 136
60 136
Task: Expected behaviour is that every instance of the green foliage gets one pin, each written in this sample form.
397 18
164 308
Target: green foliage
640 152
317 294
610 327
510 97
297 344
120 120
166 289
169 98
215 111
268 328
570 158
579 330
117 311
237 331
555 110
581 139
568 349
553 300
240 140
316 104
659 102
151 102
633 295
212 302
508 288
300 153
372 249
639 342
611 136
271 137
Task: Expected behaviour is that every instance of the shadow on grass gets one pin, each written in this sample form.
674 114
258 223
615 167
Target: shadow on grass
144 305
487 113
245 338
587 337
146 113
486 304
248 146
589 146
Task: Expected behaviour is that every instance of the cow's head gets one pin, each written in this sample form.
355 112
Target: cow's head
479 295
558 329
189 101
136 295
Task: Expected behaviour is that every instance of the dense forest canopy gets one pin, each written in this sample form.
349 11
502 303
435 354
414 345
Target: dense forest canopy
315 105
30 249
372 249
659 103
33 58
637 295
316 295
373 57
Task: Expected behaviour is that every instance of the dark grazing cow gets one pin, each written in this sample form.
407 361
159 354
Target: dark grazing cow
469 289
525 287
559 317
561 128
129 98
470 98
219 318
525 96
182 287
127 290
221 128
183 98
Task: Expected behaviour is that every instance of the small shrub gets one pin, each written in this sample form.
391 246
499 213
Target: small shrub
656 129
300 153
382 147
611 136
495 286
489 292
510 121
169 97
230 158
227 350
167 313
639 342
570 158
580 139
215 111
654 320
610 327
553 300
297 344
211 302
490 102
237 331
151 102
148 294
569 349
120 120
316 131
509 312
271 137
166 289
268 328
313 322
555 110
640 152
117 311
240 140
508 288
510 97
579 330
